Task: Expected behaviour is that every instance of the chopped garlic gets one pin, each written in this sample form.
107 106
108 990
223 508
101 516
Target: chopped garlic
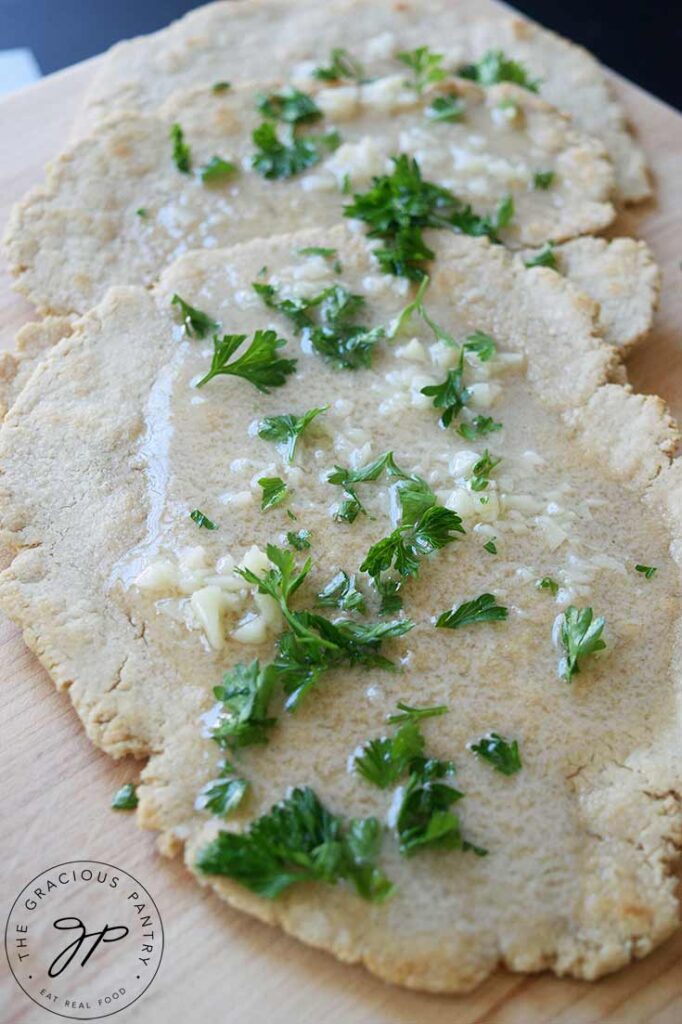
208 606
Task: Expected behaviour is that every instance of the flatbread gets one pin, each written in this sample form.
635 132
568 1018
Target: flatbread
249 40
622 277
109 447
32 342
82 231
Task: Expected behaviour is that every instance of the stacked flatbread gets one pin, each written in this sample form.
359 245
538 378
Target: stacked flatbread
130 483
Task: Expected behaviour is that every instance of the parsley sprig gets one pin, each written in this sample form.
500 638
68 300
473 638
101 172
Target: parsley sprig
425 66
580 635
502 754
286 430
241 717
196 323
341 592
125 798
284 157
299 840
326 322
341 65
481 609
223 794
398 206
258 363
274 492
544 257
182 154
348 479
446 109
198 517
496 67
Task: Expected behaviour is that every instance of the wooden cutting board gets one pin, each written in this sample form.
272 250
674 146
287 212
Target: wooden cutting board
219 965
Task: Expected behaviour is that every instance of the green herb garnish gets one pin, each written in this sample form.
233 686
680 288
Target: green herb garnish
406 713
290 106
446 108
543 179
274 492
546 257
217 170
348 479
580 635
317 250
224 794
125 798
479 426
221 86
495 67
276 159
258 363
299 540
201 520
408 543
326 323
182 154
287 429
196 323
341 65
425 66
482 469
491 547
547 583
142 212
482 609
450 395
398 206
341 592
241 718
502 754
647 570
299 840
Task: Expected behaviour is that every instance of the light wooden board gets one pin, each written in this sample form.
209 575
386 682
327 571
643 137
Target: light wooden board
220 965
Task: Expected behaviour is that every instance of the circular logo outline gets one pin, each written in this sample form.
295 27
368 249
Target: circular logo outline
63 864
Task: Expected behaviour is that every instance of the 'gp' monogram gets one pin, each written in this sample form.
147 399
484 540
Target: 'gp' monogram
113 933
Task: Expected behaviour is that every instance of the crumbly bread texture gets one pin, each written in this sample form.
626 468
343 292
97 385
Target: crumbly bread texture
106 450
115 209
252 39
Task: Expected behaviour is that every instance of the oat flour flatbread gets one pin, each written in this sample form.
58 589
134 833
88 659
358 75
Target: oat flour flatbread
243 41
116 210
133 607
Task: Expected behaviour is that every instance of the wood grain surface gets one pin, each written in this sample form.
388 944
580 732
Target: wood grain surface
218 964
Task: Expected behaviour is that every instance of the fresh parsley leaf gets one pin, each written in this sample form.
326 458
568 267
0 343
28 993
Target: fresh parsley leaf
299 840
221 87
217 170
290 106
300 540
142 212
495 67
201 520
325 323
481 344
317 250
502 754
547 583
182 154
223 795
351 506
451 395
580 635
196 323
424 818
647 570
406 713
258 363
125 798
312 644
286 430
425 66
545 257
478 427
382 761
482 609
341 592
389 593
399 205
274 492
240 718
275 159
407 544
482 469
446 108
543 179
491 547
341 65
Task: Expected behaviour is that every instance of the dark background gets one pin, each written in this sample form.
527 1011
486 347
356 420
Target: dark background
642 40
